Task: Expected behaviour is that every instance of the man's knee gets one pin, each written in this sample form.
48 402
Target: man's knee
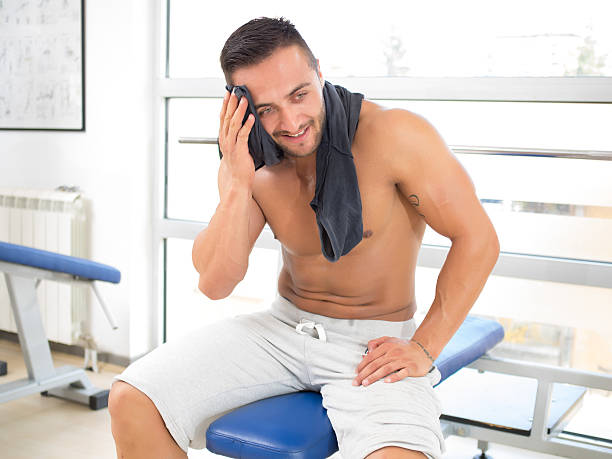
395 452
126 403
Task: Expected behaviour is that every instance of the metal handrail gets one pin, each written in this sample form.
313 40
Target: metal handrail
487 151
199 140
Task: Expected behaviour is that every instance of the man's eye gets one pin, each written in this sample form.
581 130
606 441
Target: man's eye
301 95
265 111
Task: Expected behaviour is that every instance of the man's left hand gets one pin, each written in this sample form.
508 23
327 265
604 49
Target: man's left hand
393 359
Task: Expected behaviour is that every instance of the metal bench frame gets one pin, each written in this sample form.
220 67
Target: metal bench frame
553 269
556 442
67 382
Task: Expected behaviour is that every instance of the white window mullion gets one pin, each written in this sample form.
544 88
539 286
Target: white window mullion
536 89
191 87
183 229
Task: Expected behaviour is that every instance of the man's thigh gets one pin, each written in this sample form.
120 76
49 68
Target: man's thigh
194 379
366 419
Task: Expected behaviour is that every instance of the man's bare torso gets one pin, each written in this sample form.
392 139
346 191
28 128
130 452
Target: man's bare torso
375 280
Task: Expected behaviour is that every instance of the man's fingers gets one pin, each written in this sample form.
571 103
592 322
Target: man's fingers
367 368
245 130
224 106
231 123
397 376
370 357
370 376
236 122
222 113
238 115
374 343
232 103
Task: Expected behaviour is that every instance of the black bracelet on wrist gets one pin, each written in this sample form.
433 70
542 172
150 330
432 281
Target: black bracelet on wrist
433 363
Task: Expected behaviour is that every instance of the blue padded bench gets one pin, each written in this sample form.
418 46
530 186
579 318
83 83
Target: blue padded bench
270 428
23 268
80 267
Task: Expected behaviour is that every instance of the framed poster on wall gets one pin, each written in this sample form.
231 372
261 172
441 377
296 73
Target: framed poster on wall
42 65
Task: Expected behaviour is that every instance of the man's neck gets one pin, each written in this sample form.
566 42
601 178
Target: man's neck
305 167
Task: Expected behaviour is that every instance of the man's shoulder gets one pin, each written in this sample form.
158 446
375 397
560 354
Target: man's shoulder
389 132
376 119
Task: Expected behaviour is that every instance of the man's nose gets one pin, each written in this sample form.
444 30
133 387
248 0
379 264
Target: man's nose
289 121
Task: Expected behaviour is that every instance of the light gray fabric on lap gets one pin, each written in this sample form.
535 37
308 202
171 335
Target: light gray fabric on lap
195 379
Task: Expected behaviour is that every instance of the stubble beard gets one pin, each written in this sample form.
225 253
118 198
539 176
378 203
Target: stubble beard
320 121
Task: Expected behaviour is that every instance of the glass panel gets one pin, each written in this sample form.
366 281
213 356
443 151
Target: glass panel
188 309
545 322
517 124
544 206
593 417
192 169
390 38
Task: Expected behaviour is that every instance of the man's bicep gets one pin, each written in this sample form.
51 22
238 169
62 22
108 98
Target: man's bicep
257 221
437 186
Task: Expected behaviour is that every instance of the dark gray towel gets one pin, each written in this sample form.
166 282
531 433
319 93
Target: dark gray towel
337 201
262 146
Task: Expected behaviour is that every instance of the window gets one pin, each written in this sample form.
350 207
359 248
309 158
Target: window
430 39
521 92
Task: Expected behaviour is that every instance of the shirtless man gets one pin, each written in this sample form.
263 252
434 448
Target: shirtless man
381 402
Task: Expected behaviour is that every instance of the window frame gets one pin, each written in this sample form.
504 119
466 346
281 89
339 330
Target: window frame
586 89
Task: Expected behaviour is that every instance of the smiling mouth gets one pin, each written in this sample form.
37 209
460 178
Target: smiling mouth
297 136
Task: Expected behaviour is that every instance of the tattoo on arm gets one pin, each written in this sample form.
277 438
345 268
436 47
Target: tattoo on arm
414 200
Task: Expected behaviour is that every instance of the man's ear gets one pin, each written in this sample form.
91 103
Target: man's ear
319 74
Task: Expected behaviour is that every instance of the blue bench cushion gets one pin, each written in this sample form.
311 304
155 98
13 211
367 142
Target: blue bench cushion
296 425
473 339
52 261
286 426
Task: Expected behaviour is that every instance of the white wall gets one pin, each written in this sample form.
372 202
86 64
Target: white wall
111 163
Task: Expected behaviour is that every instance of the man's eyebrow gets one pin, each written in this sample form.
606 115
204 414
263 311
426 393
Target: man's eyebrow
297 88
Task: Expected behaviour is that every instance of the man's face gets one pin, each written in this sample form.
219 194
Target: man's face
288 96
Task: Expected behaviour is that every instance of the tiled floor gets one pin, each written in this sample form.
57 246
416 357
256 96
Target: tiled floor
50 428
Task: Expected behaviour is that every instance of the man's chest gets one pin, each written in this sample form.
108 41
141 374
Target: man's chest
285 202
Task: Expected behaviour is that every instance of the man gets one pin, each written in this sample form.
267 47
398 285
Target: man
345 327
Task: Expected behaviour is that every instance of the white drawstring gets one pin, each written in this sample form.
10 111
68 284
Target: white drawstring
310 324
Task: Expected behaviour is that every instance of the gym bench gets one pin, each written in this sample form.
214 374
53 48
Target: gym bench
23 268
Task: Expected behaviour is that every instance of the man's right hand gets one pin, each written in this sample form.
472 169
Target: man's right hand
237 166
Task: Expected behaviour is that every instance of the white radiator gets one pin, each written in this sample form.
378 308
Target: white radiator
54 221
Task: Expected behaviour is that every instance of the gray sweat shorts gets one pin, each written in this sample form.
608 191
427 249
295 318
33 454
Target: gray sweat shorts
199 377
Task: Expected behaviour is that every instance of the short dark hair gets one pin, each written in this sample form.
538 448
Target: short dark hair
256 40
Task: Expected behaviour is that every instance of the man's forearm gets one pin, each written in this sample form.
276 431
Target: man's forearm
221 251
463 276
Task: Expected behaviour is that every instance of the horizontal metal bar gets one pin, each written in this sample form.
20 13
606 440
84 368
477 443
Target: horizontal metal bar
557 446
485 151
199 140
522 266
538 152
486 89
184 229
533 267
544 373
61 376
